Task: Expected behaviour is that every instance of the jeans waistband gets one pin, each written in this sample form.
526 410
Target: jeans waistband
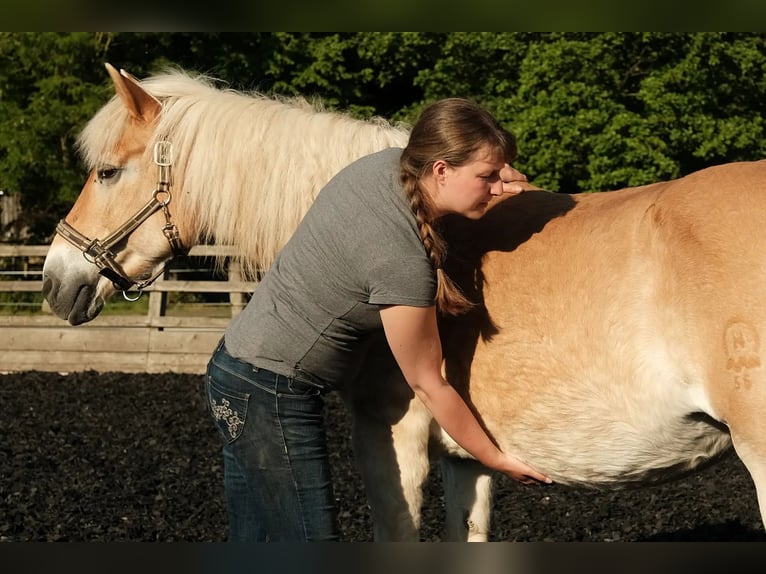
249 370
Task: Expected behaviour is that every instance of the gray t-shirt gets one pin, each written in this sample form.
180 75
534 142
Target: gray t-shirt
357 248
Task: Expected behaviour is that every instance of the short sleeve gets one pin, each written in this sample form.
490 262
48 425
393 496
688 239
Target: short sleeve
403 281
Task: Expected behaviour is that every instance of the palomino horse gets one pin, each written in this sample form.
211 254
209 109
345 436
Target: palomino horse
617 340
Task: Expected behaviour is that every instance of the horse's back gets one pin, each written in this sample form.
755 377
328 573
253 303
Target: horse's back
617 324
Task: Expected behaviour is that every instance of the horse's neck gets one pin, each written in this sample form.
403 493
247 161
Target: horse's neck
271 202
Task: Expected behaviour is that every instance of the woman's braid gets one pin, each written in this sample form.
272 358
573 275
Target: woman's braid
452 130
449 298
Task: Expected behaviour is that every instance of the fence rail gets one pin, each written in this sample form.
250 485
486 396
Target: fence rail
152 342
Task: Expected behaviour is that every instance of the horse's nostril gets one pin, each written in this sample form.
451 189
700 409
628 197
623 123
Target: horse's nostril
47 285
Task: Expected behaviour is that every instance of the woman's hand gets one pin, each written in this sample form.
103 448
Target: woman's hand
520 471
513 180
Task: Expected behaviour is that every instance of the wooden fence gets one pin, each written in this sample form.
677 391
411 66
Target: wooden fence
154 342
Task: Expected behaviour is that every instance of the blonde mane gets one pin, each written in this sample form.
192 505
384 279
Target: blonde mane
249 165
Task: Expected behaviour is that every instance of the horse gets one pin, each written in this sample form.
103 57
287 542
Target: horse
616 336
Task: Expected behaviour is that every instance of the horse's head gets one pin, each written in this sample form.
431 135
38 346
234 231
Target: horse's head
119 234
245 168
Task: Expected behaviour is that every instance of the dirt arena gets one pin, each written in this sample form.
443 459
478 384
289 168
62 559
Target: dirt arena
115 457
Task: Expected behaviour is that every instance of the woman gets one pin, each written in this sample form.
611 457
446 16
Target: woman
365 257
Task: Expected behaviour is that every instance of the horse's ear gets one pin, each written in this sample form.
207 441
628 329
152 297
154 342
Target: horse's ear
140 103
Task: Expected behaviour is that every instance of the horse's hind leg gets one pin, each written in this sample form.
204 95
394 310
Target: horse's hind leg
754 458
468 498
748 433
746 416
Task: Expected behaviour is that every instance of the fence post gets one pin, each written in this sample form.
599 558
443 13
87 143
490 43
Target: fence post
158 300
237 299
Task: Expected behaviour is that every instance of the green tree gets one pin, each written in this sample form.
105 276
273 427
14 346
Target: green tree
592 111
609 110
47 88
708 104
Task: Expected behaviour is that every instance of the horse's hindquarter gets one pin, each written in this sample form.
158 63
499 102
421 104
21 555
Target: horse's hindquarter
611 317
720 279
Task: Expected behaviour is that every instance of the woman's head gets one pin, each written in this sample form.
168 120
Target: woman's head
451 164
455 130
454 157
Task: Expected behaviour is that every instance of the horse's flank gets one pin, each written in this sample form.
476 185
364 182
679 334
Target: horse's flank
607 317
229 144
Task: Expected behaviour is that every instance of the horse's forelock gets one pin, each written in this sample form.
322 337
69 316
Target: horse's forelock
102 133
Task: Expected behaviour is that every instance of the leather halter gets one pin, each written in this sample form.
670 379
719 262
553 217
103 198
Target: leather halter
99 252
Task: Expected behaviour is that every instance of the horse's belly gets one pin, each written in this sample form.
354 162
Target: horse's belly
592 416
574 449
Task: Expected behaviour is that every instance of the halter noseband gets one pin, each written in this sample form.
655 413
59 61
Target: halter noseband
100 252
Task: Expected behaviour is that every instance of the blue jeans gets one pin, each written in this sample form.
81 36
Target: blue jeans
276 466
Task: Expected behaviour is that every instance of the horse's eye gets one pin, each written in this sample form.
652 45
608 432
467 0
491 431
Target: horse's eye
106 173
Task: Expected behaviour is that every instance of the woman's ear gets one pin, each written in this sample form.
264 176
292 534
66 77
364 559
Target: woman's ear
439 170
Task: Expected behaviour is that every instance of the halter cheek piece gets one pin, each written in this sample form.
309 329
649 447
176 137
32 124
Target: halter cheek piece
100 252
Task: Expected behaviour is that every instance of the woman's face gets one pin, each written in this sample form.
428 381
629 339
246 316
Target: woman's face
466 190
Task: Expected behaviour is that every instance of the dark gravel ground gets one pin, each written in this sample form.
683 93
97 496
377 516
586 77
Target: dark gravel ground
115 457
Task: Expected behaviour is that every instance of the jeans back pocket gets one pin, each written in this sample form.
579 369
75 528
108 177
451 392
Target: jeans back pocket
228 407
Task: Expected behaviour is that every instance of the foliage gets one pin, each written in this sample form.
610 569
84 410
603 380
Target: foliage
603 111
592 111
46 91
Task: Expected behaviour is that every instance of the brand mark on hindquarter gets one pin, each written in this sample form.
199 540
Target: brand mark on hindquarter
742 348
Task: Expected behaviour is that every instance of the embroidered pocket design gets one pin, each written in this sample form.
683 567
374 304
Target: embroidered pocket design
223 413
229 409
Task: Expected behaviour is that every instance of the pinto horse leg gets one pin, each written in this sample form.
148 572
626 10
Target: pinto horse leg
468 497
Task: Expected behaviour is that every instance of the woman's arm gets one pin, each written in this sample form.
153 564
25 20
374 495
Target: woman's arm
413 336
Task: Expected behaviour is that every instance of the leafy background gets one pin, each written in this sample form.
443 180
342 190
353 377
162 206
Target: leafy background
592 111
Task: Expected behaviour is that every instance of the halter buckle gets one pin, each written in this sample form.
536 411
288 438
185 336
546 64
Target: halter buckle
163 153
163 157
